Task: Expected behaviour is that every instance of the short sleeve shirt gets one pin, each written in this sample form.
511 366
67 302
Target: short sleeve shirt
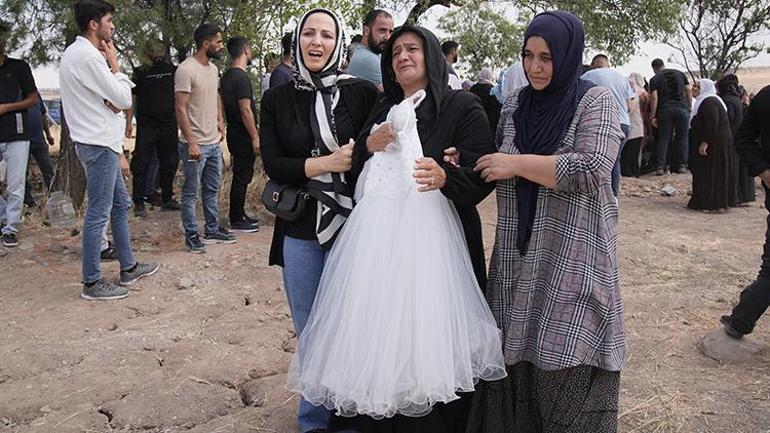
155 95
235 85
619 86
365 65
16 83
202 83
670 85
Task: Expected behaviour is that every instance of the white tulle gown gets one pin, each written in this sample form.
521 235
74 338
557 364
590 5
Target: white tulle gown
399 322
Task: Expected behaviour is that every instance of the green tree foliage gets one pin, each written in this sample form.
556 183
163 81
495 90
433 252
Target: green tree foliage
717 36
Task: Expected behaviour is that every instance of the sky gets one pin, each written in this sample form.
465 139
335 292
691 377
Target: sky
48 77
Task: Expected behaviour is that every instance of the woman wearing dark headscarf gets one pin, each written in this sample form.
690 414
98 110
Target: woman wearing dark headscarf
412 62
729 90
553 280
306 126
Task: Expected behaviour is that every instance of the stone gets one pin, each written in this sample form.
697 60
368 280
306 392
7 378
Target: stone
252 394
719 346
668 190
185 283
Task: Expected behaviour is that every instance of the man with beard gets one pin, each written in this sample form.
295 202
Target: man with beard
199 118
93 92
365 63
156 128
242 137
451 50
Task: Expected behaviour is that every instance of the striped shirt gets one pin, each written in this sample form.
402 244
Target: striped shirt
87 84
559 306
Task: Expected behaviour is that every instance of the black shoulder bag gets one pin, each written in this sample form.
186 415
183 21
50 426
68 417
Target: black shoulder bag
283 200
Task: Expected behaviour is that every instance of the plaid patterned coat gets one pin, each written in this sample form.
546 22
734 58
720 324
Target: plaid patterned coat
559 306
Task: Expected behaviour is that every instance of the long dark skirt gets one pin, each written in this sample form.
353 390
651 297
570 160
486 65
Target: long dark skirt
444 418
530 400
631 158
713 179
745 188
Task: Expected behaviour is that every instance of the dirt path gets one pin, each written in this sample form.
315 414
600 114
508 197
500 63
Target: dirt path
204 345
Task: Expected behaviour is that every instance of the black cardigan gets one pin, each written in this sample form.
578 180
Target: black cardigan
462 123
286 141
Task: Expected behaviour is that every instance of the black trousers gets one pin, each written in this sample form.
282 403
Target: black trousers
243 159
39 151
631 157
149 140
755 298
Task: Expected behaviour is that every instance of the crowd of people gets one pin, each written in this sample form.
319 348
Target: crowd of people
378 155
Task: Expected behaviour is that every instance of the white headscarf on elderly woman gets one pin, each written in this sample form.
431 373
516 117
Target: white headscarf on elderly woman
707 90
486 76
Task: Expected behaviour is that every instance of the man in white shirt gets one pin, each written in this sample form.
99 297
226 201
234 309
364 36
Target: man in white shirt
93 92
451 50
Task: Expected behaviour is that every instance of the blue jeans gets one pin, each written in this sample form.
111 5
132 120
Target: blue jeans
205 175
107 199
673 128
15 154
616 167
303 263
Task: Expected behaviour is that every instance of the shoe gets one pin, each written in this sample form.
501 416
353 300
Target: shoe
10 240
244 226
154 199
221 237
682 170
140 270
103 291
659 172
194 243
109 254
729 329
140 211
250 219
170 205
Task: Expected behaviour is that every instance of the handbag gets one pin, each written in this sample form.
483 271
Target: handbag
283 200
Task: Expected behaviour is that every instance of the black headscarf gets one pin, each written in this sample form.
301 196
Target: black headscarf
728 85
543 116
435 65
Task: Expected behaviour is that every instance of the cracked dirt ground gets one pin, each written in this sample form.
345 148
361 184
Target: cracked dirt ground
204 345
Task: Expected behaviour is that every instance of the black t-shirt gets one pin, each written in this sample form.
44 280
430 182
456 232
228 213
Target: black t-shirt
155 95
16 83
234 86
670 85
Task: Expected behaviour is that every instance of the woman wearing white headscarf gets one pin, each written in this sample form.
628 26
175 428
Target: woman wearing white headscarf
306 132
631 157
713 180
483 89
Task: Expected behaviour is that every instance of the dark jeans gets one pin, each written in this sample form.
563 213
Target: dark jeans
755 298
243 173
673 129
616 167
150 140
39 151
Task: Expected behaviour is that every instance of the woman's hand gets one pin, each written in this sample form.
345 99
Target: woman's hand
452 156
496 166
429 174
341 160
381 138
703 149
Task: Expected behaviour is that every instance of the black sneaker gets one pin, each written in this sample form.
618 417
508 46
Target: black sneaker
251 220
10 240
244 226
194 243
103 291
140 270
109 254
140 211
154 199
221 237
170 205
659 172
729 329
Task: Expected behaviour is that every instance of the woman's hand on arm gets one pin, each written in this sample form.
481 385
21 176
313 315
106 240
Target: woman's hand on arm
535 168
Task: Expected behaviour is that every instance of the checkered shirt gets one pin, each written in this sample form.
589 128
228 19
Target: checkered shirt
559 306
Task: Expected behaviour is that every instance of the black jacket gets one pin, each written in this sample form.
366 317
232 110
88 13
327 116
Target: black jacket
752 141
286 142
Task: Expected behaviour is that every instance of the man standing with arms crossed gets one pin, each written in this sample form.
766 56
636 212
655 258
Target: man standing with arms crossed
197 112
242 137
92 93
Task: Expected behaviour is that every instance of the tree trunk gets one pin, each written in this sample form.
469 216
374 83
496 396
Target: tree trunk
421 7
70 176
